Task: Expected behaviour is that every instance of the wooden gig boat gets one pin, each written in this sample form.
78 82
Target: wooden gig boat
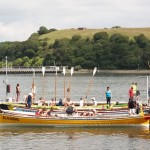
69 121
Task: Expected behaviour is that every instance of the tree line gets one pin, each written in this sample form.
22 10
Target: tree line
103 51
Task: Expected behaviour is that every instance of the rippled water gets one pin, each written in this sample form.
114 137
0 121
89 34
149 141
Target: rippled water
104 138
121 138
81 85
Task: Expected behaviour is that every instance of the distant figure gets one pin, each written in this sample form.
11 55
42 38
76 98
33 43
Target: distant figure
70 109
131 106
40 112
60 103
149 96
29 100
149 92
41 101
131 102
52 103
137 95
134 85
49 111
69 102
131 93
135 88
17 92
108 95
94 101
81 102
33 90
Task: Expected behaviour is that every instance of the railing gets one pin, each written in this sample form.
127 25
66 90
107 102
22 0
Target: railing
22 69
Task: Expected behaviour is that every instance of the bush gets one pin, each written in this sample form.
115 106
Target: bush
76 68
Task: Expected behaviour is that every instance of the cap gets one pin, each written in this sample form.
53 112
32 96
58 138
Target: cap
93 98
30 93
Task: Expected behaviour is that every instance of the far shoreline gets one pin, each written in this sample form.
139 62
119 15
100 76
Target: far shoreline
128 72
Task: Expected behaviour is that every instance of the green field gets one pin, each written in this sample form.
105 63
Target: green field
68 33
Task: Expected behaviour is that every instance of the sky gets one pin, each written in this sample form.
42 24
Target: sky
20 18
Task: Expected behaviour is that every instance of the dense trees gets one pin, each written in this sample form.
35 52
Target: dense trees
114 52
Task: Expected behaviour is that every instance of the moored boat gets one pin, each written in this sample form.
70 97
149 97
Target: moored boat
9 119
60 110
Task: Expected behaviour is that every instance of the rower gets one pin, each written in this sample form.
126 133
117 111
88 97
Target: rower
39 112
70 109
94 101
48 112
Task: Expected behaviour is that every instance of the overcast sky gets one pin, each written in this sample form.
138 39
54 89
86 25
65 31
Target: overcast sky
20 18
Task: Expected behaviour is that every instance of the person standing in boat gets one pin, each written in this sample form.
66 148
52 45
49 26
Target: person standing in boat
131 93
132 106
149 96
108 95
17 92
135 88
29 100
131 102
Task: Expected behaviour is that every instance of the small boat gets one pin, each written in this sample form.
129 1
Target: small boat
101 107
22 110
9 119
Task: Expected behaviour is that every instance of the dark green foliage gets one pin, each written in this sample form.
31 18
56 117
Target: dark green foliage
29 53
101 36
142 41
118 38
52 30
102 51
42 30
76 38
76 68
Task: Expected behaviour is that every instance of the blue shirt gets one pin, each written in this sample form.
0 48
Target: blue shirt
108 93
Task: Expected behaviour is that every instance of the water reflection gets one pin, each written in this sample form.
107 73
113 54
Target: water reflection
131 132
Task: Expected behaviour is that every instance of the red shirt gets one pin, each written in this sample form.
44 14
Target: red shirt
131 93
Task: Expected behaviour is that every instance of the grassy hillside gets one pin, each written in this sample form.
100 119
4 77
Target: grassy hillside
68 33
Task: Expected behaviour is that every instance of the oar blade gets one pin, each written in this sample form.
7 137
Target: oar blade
43 71
64 70
94 71
72 70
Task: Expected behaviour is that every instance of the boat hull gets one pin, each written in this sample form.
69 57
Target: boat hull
9 119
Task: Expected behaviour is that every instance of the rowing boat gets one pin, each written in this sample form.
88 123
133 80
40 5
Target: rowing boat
101 107
22 110
8 119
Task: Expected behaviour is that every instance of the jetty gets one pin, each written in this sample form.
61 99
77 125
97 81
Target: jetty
29 70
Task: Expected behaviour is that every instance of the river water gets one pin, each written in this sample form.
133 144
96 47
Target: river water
81 85
102 138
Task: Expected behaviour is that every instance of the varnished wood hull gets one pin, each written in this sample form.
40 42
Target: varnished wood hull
20 120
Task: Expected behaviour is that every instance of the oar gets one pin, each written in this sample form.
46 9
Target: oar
33 76
90 82
64 72
33 84
69 82
56 69
43 72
